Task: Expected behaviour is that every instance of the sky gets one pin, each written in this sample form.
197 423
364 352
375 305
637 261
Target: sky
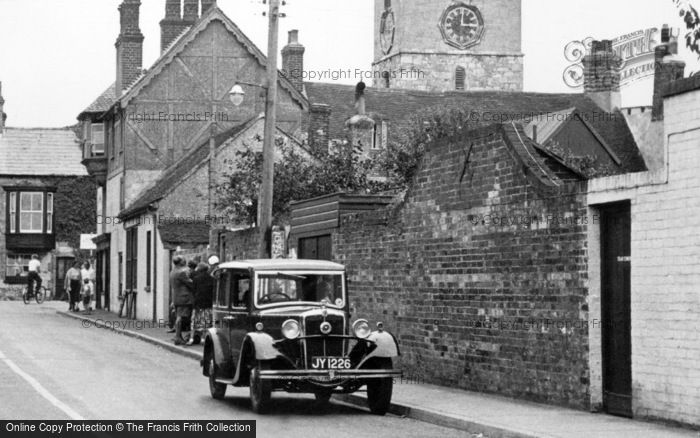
57 56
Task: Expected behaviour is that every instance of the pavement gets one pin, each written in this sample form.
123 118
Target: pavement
480 415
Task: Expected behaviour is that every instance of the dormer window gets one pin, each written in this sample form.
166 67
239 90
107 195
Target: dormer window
97 139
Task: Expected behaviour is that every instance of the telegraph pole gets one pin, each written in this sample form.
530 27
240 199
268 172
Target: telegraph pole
268 171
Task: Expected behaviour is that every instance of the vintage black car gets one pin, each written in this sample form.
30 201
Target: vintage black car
284 325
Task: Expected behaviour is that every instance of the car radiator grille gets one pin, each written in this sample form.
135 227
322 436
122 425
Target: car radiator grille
324 346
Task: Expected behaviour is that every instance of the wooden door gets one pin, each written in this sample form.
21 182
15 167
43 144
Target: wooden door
63 264
316 248
615 309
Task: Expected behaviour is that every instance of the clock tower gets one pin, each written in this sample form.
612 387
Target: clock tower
443 45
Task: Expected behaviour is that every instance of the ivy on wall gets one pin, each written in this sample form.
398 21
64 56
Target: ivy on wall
75 207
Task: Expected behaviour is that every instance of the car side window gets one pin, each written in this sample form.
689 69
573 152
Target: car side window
240 290
223 287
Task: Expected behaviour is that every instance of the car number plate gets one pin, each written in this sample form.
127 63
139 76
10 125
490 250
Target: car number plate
330 363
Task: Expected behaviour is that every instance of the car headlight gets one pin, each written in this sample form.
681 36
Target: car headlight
361 328
290 329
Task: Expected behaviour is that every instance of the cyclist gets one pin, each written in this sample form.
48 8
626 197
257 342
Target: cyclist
33 279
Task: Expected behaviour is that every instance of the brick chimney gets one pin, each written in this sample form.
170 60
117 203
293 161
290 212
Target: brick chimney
668 67
129 45
3 116
190 12
206 5
172 25
360 126
601 76
319 127
293 61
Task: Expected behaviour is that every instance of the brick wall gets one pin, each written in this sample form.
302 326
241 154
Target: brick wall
469 298
235 245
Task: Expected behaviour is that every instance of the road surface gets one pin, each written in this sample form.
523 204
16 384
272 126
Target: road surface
52 368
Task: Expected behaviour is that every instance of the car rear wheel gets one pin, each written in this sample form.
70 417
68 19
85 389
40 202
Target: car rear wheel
379 391
260 391
217 389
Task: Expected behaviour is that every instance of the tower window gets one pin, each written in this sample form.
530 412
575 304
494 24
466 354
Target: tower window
460 78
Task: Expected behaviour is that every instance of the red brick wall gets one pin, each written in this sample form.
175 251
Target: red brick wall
458 291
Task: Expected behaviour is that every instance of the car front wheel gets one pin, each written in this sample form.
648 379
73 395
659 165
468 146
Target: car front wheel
217 389
323 396
379 391
260 391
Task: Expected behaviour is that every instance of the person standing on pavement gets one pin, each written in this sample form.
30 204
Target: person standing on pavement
87 274
34 279
73 284
201 315
183 296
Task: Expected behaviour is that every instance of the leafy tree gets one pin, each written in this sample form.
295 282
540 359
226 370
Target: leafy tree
298 175
692 22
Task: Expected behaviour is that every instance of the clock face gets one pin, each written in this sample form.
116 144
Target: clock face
387 31
461 25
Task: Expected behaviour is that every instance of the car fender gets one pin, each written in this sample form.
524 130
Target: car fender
218 344
386 346
262 346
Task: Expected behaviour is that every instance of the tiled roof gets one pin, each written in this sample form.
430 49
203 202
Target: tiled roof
186 233
102 103
397 106
527 151
548 126
173 175
40 151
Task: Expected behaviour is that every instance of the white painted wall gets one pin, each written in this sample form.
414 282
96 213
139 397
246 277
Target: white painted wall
665 272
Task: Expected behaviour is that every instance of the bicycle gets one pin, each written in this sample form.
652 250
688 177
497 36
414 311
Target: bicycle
39 296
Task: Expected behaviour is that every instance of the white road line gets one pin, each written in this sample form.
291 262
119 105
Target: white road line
41 390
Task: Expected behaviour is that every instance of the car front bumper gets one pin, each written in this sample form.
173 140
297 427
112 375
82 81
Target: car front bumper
328 375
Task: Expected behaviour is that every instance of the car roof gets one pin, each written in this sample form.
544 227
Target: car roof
283 264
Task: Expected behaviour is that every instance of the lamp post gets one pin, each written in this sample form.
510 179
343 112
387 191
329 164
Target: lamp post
237 94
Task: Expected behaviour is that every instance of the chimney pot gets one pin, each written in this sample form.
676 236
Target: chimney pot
294 36
667 69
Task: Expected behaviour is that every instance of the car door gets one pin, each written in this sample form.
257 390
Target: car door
221 311
239 297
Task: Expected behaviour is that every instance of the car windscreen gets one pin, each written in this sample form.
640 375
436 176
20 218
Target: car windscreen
301 287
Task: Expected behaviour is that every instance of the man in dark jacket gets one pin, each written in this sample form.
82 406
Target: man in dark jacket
203 300
183 296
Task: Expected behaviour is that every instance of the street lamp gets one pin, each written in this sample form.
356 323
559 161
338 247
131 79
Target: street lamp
236 95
